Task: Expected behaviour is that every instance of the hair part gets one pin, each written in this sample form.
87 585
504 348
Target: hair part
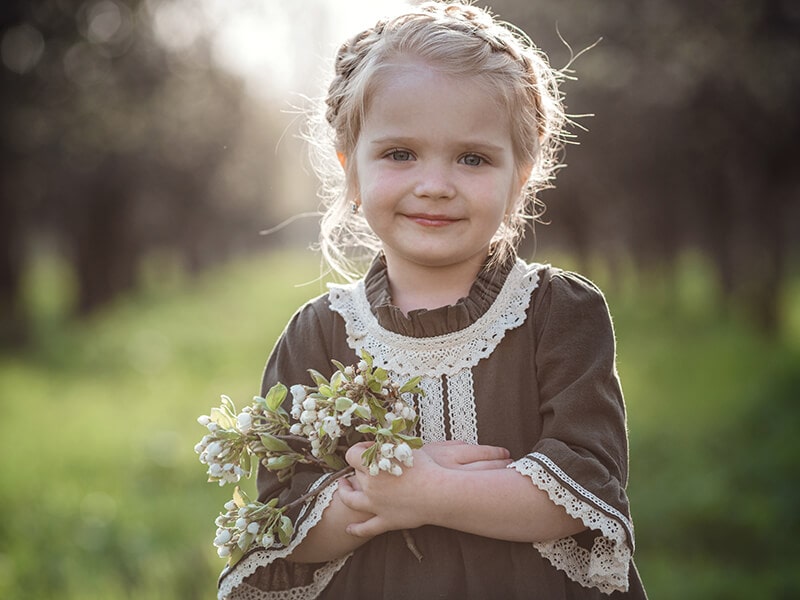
460 40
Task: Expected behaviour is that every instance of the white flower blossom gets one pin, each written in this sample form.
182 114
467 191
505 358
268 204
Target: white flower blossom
222 538
348 371
384 464
244 421
267 540
309 404
362 365
374 469
298 393
330 426
223 552
308 416
253 528
359 380
204 420
296 429
387 450
241 523
396 470
230 505
404 454
390 416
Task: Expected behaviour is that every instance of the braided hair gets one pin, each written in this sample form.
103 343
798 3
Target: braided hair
460 40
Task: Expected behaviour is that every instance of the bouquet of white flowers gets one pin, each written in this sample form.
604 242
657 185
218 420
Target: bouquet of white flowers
358 403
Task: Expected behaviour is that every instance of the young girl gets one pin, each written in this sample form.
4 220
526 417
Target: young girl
444 124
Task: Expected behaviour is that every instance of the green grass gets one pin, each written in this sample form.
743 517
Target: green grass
103 496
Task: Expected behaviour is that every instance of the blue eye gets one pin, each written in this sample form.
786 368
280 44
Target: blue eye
400 155
472 160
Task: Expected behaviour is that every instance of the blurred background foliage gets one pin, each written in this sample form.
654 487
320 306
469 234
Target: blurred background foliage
145 144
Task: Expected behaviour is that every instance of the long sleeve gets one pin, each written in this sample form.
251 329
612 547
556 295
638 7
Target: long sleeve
581 458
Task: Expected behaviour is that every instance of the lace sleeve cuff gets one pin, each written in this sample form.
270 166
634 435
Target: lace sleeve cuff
278 579
604 566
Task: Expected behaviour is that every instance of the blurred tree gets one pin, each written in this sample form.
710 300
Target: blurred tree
695 139
114 145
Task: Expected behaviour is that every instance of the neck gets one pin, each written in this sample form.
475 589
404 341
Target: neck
416 286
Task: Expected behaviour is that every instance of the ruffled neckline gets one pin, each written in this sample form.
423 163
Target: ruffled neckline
438 321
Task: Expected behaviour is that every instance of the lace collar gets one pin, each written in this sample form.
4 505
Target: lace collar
436 355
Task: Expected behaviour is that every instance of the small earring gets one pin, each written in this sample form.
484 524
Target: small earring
354 208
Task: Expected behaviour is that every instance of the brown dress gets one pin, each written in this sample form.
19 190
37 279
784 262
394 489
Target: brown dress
526 361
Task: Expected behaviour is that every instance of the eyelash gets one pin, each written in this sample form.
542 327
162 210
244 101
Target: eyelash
392 154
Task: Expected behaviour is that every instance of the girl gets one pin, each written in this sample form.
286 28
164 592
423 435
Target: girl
444 124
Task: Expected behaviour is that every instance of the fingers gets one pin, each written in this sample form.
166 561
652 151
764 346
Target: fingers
351 495
456 454
367 529
486 465
353 455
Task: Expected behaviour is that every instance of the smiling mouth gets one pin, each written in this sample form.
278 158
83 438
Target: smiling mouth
433 220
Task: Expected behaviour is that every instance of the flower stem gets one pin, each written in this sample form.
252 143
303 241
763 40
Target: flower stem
341 473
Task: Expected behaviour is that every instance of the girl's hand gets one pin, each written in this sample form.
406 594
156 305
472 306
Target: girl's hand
454 454
399 502
394 501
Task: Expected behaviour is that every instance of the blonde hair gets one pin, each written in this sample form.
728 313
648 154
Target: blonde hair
460 40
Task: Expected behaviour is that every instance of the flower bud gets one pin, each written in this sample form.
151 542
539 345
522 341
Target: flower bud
359 380
223 538
296 429
308 416
384 464
230 505
396 470
204 420
223 552
244 421
374 469
298 393
362 365
253 528
404 454
241 523
309 404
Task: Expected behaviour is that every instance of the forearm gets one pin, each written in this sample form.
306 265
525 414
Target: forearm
498 503
328 540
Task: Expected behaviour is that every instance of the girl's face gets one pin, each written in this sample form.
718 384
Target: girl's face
435 168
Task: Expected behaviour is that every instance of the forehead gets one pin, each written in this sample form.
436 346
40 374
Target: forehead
415 96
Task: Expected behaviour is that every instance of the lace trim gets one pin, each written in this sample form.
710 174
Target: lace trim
233 588
431 410
439 355
461 398
606 565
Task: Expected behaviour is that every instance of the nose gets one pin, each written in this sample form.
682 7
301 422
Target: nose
435 182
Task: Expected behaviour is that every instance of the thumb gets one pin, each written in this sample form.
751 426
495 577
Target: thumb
367 529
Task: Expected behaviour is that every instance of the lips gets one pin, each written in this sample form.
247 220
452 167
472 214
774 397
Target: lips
427 220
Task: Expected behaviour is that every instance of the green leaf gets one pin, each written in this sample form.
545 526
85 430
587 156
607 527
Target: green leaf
285 530
236 555
275 396
334 461
245 541
362 412
278 463
364 428
274 444
412 385
369 455
240 497
398 425
222 418
367 357
385 432
342 403
326 390
318 377
338 365
413 441
337 379
245 463
380 374
374 386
